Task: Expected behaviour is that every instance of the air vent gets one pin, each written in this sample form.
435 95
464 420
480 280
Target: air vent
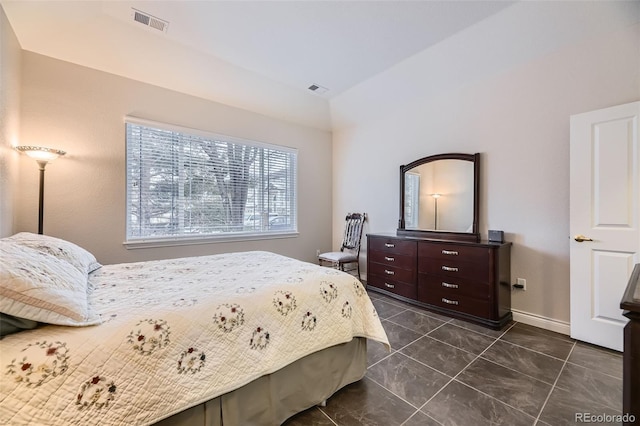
318 89
150 21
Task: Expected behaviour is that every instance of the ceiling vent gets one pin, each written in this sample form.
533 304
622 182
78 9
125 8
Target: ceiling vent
149 20
318 89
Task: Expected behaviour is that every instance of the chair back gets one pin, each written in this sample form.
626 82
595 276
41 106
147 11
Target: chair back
353 231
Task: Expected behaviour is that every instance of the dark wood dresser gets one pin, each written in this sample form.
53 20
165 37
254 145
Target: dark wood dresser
467 280
631 357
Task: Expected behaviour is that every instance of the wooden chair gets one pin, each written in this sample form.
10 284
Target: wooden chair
350 250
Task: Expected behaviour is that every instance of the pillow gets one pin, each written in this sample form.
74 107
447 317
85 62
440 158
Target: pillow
37 286
64 250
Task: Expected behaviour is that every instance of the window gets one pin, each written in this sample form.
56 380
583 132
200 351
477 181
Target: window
411 200
186 184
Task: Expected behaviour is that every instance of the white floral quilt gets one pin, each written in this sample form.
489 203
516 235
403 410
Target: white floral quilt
177 333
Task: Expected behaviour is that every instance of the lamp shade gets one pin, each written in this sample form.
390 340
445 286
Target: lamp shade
40 153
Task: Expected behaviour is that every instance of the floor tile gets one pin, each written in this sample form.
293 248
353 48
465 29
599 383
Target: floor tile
416 321
373 295
462 338
367 403
603 360
397 302
407 378
592 385
563 405
398 335
555 344
534 364
432 314
386 309
312 416
420 419
460 405
548 333
481 329
519 391
375 352
440 356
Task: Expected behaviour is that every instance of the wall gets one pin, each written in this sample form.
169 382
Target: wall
81 111
10 67
477 93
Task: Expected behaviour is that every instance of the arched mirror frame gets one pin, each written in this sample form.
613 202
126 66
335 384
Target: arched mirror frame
446 235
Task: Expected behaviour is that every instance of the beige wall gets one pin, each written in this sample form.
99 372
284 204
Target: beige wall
10 67
81 111
517 117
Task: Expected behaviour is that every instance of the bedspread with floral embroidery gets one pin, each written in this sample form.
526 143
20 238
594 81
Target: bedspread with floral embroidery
176 333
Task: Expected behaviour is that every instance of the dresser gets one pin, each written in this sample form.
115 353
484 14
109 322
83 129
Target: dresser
631 356
466 280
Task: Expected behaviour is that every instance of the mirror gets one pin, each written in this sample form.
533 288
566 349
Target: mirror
439 197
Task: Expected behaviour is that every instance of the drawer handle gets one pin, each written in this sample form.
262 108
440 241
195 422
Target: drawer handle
389 285
450 302
388 272
389 245
389 259
449 285
448 268
450 252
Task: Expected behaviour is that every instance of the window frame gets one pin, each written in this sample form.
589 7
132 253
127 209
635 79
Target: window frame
209 238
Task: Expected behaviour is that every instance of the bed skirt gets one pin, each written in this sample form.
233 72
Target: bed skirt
272 399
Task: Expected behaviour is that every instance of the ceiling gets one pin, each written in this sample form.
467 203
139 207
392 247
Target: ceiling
261 56
333 44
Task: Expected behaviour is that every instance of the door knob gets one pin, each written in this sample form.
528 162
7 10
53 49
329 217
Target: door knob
580 238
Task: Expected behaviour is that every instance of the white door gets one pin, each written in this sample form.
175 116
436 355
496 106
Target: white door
604 202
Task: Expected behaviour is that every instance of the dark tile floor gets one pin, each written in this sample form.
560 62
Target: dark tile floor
443 371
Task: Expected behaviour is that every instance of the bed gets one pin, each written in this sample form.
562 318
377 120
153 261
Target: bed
238 338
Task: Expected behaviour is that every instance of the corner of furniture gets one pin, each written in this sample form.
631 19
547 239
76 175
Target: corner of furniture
631 356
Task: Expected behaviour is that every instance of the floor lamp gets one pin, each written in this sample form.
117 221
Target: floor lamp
42 156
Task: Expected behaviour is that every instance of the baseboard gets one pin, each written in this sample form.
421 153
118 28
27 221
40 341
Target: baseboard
542 322
539 321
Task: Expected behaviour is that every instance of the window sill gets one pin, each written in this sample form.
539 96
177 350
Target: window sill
188 241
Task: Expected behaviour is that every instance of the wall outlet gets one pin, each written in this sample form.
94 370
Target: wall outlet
522 282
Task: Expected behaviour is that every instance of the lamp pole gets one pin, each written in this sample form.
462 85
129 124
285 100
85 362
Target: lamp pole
436 209
435 201
41 164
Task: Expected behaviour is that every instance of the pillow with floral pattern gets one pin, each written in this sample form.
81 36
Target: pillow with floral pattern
62 249
37 286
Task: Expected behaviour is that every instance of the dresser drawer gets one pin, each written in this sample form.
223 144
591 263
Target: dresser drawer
391 285
459 303
407 248
392 259
454 268
453 252
391 272
455 287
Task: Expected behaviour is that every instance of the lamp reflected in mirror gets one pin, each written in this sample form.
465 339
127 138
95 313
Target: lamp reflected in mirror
42 155
435 209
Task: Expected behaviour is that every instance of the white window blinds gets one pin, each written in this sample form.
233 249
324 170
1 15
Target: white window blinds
186 185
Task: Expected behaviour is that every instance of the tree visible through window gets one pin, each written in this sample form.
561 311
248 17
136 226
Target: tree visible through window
191 185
